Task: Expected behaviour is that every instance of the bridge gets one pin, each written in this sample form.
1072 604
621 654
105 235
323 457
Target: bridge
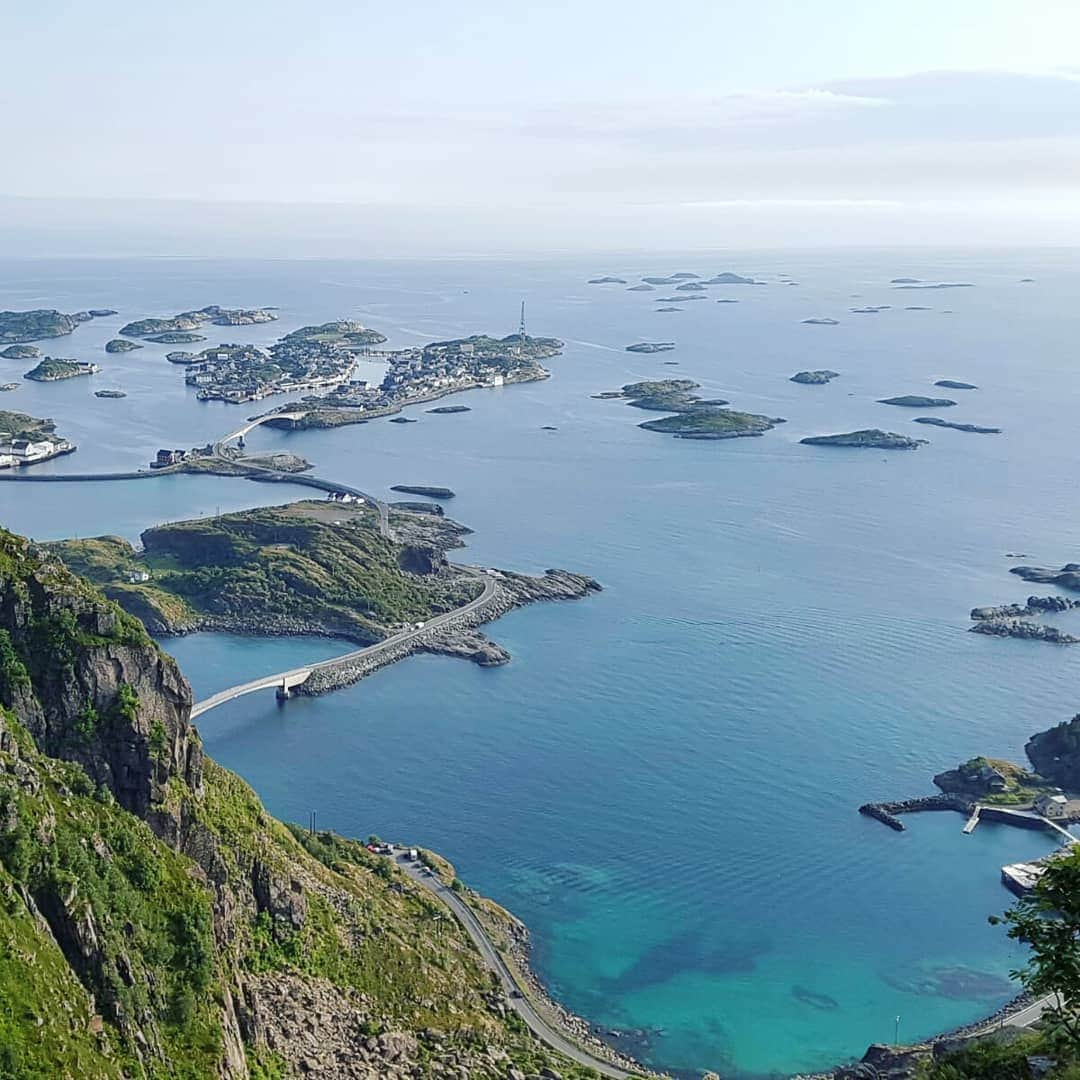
286 681
240 432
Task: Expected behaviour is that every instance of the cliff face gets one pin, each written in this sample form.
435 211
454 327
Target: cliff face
92 688
155 921
1056 753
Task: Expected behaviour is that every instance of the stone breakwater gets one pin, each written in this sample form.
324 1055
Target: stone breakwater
886 812
460 638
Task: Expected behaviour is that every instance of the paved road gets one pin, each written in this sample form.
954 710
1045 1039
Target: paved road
538 1025
299 674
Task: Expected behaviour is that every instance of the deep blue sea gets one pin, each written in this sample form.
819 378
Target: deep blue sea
664 781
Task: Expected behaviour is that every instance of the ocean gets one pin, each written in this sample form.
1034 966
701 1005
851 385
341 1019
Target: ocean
663 783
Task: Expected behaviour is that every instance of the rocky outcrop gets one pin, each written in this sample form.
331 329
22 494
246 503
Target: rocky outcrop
1068 577
814 378
917 401
1025 629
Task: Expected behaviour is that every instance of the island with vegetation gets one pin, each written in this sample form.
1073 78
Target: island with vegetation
917 401
39 324
693 417
936 421
312 567
121 345
192 320
175 337
21 352
157 921
869 438
651 347
814 378
54 370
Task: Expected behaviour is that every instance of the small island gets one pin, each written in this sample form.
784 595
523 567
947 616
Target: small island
109 393
821 321
8 386
904 281
872 438
606 281
446 410
50 370
937 285
694 417
712 423
727 300
663 310
916 401
814 378
690 286
728 278
640 288
870 309
21 352
936 421
121 345
101 313
403 420
192 320
176 337
955 384
679 299
651 347
420 489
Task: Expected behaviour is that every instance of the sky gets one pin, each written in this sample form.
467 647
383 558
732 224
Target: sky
484 127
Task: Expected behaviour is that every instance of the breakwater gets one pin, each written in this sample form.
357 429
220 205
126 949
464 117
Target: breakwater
886 812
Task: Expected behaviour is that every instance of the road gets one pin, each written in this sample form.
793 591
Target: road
298 675
545 1031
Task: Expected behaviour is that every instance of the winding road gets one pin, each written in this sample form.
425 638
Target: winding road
542 1028
296 676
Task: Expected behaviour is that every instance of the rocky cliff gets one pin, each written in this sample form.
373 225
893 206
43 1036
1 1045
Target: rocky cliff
155 921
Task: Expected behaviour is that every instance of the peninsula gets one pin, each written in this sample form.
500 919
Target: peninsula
28 440
53 370
873 438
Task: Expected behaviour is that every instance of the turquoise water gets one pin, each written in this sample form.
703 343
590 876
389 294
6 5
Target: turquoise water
663 783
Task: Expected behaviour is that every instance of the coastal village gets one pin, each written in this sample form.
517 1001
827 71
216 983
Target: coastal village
27 440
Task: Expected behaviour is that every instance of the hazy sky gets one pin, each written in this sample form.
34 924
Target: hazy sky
484 125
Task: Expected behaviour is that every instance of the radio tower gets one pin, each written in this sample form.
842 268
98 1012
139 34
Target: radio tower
521 328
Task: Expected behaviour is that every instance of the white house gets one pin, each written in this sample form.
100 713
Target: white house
1053 807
